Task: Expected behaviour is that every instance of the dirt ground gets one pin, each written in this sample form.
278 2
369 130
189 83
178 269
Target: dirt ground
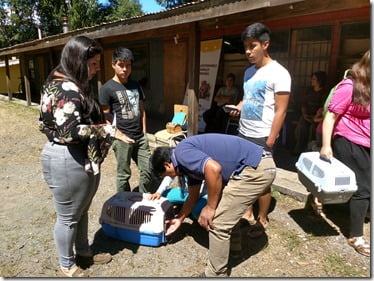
297 242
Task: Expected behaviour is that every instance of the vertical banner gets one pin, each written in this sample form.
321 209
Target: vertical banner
210 52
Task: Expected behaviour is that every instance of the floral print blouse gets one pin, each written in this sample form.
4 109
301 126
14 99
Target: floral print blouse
62 121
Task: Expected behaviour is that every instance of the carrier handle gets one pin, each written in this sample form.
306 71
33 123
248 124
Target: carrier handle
325 159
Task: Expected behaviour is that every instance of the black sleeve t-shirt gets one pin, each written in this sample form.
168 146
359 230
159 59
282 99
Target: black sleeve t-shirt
124 102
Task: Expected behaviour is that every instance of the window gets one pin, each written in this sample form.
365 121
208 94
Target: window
140 68
354 42
279 46
312 53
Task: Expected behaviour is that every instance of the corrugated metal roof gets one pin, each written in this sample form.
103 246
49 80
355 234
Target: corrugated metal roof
190 12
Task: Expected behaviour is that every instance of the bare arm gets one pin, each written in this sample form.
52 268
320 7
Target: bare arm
107 114
143 116
281 104
236 113
165 184
109 120
327 129
188 205
213 181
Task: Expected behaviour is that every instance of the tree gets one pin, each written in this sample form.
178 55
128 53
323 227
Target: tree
172 3
124 9
19 19
84 13
4 25
50 16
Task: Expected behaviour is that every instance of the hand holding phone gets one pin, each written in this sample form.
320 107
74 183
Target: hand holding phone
230 107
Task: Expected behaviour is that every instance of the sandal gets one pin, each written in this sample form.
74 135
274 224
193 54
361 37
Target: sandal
360 245
75 271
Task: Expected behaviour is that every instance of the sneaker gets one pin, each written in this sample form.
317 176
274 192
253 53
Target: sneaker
102 258
75 271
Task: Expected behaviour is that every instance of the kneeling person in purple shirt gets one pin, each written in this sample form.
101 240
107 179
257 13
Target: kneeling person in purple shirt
216 158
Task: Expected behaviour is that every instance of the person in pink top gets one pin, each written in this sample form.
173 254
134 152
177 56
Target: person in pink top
346 133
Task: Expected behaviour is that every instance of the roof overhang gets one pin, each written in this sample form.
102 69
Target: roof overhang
197 11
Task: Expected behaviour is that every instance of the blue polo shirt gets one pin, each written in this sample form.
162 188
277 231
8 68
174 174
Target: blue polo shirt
231 152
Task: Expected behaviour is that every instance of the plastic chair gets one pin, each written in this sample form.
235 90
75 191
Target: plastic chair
163 137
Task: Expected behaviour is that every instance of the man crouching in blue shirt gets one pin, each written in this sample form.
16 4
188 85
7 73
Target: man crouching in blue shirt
216 158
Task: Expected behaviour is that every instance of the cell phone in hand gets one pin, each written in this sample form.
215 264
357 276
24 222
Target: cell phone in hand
230 107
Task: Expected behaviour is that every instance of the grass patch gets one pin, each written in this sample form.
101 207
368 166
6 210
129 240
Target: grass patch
17 106
335 265
292 240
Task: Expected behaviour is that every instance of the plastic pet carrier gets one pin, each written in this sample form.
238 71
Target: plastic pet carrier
131 217
331 182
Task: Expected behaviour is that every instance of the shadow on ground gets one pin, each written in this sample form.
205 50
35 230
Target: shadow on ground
337 217
106 244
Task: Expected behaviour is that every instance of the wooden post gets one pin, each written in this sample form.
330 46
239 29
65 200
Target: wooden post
8 79
101 73
193 79
25 74
331 76
193 112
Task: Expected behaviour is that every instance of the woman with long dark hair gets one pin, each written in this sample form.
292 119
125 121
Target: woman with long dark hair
78 141
312 100
347 126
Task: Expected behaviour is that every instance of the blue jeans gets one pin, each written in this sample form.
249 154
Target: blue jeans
72 189
140 153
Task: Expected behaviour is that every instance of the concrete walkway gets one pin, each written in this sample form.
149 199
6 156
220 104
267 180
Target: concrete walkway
287 182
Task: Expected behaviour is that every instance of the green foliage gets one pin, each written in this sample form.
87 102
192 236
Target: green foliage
84 13
3 26
51 13
172 3
124 9
19 19
336 265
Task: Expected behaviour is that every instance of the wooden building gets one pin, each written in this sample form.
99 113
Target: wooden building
307 35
